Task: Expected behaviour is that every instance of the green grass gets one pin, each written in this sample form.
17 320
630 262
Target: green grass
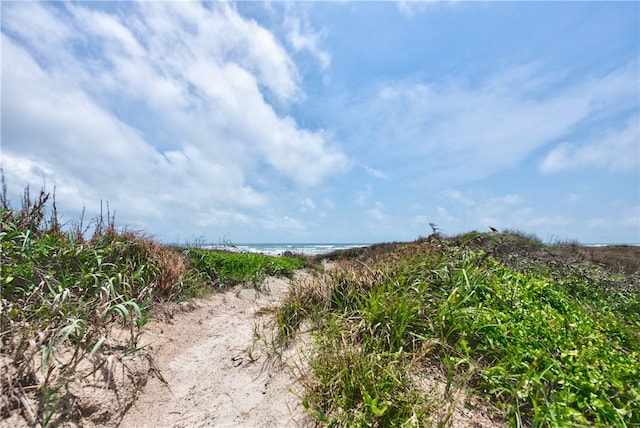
547 350
225 268
548 334
63 293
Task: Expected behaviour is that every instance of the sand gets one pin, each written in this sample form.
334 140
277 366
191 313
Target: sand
213 371
210 362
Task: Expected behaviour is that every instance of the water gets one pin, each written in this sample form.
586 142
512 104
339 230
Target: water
310 249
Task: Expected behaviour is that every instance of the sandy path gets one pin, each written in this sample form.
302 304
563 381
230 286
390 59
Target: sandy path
216 373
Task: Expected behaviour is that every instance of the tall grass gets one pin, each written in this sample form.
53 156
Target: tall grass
531 342
550 334
64 292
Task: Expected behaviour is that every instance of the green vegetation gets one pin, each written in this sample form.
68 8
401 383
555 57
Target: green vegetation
543 335
549 343
233 268
64 295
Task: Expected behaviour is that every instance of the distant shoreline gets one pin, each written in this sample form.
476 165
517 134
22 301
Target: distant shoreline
316 249
277 249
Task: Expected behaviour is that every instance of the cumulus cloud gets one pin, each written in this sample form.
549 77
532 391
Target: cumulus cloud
159 107
617 150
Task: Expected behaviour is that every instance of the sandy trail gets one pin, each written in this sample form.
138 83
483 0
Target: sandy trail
216 373
211 371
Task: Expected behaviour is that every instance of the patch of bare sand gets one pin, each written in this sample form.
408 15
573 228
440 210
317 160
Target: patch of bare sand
213 372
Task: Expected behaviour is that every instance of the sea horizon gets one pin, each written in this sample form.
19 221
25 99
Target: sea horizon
279 248
319 248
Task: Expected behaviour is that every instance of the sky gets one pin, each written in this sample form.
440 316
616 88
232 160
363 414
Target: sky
327 121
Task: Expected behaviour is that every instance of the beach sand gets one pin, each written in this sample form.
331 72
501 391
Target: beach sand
214 371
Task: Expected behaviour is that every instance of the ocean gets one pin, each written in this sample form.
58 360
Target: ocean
310 249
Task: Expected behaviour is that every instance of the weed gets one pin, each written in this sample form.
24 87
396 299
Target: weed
227 269
62 294
549 333
547 349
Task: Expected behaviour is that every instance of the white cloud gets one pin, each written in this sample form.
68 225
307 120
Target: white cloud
445 216
631 218
463 210
508 200
302 36
376 216
617 150
115 37
53 122
307 204
626 219
420 220
545 220
362 198
376 173
457 196
162 109
43 29
178 33
572 197
598 223
329 204
460 131
477 210
415 7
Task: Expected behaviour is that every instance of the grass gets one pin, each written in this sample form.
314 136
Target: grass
65 292
547 335
223 268
547 346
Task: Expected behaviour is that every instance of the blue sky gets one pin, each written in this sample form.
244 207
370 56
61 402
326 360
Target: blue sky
328 121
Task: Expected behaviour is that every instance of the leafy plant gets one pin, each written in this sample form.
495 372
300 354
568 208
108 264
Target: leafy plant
547 349
62 293
224 268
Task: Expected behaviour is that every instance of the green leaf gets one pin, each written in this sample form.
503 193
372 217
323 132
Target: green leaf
97 345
